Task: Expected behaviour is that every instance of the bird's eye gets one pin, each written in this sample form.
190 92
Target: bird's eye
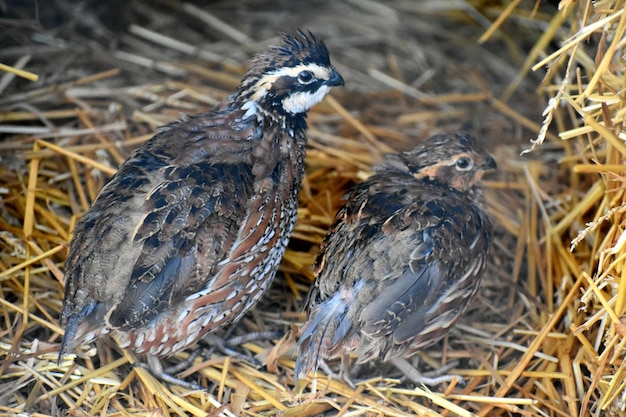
305 77
463 164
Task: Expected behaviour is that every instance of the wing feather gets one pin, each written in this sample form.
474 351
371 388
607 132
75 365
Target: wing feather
165 271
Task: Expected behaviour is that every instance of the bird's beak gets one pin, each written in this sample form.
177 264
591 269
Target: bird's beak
490 163
335 79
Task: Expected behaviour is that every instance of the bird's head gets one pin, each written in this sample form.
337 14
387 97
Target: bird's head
289 79
456 160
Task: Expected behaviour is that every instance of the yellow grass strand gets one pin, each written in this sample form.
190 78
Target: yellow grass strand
20 73
82 159
357 125
534 346
499 20
220 389
31 261
603 67
256 388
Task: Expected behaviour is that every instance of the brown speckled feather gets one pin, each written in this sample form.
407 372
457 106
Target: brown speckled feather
403 257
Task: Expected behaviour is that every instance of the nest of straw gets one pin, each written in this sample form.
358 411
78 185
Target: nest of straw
544 336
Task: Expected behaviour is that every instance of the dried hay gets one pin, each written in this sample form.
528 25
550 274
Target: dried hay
543 338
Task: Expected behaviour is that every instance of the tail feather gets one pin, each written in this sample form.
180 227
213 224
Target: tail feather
71 329
324 331
68 337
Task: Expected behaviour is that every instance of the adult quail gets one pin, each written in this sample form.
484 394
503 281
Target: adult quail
402 260
188 234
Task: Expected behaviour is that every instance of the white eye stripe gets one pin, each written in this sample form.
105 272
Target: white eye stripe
318 71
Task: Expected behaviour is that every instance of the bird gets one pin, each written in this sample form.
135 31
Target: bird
402 259
188 234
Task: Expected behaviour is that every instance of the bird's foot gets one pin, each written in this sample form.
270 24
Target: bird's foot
431 378
343 374
155 367
226 346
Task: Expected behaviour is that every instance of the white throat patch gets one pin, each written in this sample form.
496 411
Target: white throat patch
303 101
297 102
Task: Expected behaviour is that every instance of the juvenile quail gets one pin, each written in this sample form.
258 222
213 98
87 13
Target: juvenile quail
402 260
188 234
